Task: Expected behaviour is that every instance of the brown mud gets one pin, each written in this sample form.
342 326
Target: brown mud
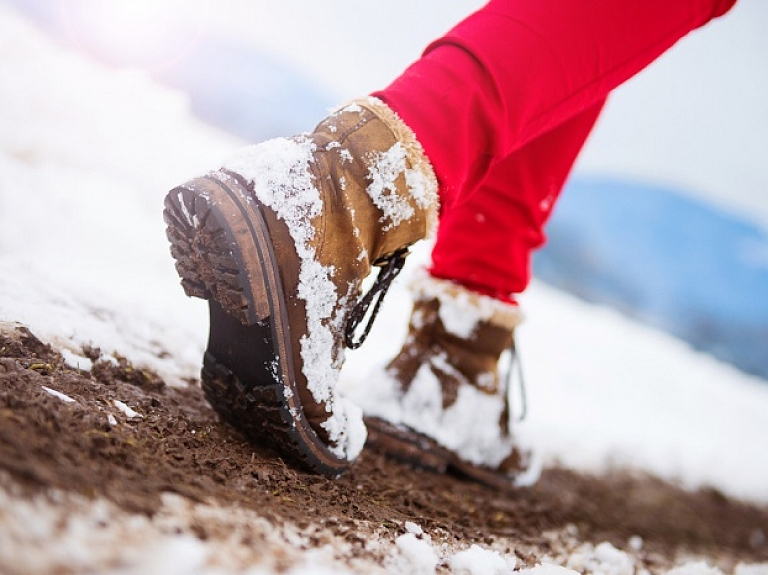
176 444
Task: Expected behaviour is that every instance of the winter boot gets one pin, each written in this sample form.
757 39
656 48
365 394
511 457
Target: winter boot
279 241
440 403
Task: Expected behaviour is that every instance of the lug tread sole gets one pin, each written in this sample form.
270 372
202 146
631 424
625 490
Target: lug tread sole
219 244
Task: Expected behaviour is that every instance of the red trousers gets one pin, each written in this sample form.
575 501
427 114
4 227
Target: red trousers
503 104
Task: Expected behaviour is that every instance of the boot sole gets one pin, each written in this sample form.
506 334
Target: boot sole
417 450
224 254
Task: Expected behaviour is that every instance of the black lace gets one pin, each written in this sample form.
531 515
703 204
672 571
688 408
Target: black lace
515 362
390 267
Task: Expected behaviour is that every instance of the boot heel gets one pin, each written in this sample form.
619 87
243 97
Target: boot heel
214 229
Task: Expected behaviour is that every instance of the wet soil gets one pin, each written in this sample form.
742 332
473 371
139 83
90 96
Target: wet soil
175 443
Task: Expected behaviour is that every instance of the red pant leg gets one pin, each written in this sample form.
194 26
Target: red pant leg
516 69
485 241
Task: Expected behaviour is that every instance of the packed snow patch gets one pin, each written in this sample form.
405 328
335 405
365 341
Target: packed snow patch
125 410
753 569
548 569
415 556
479 561
695 568
57 394
76 361
604 559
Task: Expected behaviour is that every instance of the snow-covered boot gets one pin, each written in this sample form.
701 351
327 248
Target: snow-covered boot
440 404
279 241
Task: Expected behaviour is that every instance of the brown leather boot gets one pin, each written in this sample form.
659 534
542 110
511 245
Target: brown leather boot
440 403
279 241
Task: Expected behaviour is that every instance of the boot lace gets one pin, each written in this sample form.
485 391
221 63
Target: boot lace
390 268
516 366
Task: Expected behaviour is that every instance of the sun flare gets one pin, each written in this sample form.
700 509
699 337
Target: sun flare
144 34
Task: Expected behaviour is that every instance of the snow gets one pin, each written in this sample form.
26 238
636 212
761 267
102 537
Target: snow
385 168
603 559
127 411
86 156
415 556
755 569
696 568
479 561
412 527
547 569
68 533
58 394
76 361
461 310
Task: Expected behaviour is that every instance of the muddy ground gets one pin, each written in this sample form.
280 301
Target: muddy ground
177 445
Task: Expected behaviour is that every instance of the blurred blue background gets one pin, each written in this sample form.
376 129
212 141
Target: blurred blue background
663 257
667 224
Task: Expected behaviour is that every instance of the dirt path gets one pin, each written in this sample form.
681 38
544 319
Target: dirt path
91 446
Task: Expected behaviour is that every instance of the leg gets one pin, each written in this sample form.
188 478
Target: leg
485 242
516 69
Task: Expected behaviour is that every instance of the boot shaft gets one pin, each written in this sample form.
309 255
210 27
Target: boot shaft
378 186
464 334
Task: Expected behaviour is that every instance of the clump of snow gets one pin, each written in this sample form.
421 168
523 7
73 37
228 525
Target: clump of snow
77 361
412 527
89 536
636 543
603 559
414 556
751 569
127 411
479 561
58 394
280 173
695 568
385 168
548 569
353 108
